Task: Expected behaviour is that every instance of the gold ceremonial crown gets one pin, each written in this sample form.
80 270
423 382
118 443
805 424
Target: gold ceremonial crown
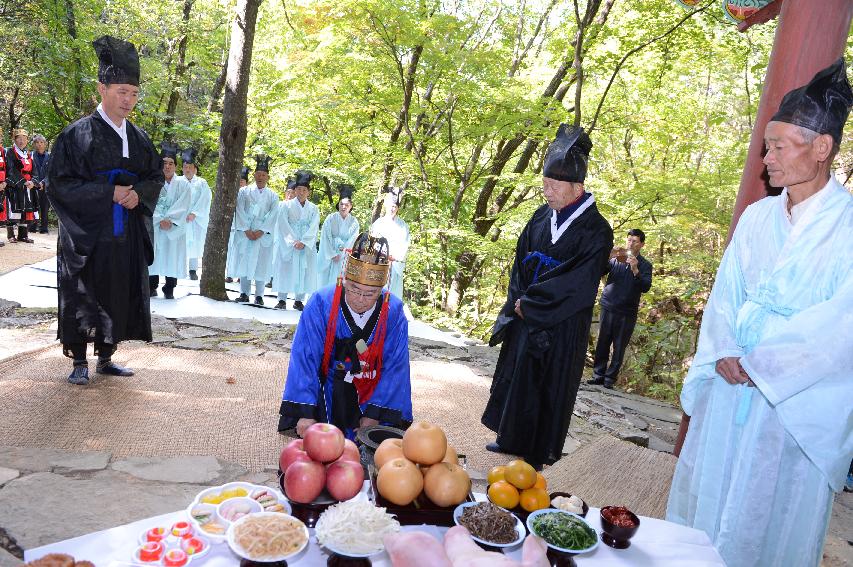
368 264
19 132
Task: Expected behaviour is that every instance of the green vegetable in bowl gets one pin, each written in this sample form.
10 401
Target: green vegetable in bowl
563 530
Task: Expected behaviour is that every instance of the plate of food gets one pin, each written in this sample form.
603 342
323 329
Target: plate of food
563 531
214 509
490 524
267 537
355 528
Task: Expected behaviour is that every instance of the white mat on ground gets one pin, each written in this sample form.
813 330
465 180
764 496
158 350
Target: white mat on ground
35 286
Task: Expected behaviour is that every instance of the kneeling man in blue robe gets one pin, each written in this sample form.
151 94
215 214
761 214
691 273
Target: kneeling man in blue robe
349 364
770 388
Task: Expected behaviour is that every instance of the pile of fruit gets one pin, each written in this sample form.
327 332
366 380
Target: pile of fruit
518 484
324 458
421 461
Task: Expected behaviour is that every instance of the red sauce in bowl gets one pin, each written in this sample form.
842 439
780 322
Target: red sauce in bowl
619 516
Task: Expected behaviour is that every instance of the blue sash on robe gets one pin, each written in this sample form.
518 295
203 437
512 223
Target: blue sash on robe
119 212
548 262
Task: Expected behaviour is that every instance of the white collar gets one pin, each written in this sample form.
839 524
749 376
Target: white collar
360 318
797 211
20 152
557 232
120 130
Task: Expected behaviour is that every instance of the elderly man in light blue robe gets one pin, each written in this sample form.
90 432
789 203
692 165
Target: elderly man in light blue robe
337 235
770 388
170 228
198 215
254 225
295 257
395 230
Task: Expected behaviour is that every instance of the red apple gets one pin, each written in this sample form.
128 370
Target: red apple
291 453
344 479
304 481
324 442
351 452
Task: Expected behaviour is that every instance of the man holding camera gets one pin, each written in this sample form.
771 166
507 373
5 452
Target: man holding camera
630 275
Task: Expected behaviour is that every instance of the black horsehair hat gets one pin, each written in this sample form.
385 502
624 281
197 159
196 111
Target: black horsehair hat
244 172
302 177
118 61
188 155
568 155
345 191
262 163
822 105
168 150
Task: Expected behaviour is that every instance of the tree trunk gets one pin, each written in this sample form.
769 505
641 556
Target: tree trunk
213 104
71 27
232 147
180 70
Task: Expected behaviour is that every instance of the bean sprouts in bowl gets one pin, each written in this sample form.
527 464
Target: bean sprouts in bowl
267 537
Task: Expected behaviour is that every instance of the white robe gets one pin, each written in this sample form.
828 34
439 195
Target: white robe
338 234
296 270
170 246
200 207
759 465
256 210
396 232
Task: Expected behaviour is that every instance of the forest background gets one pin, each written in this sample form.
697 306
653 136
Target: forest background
455 100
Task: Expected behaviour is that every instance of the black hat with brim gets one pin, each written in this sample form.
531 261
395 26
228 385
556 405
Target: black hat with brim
168 150
303 177
822 105
568 155
263 163
345 191
395 194
244 172
188 155
118 61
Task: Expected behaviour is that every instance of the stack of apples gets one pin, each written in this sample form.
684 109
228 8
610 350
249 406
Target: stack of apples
324 458
518 484
421 461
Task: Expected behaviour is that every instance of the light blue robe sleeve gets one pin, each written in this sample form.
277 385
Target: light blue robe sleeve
328 249
242 217
718 333
200 206
392 398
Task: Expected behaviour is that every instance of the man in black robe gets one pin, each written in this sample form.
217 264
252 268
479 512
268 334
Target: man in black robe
20 188
560 258
104 179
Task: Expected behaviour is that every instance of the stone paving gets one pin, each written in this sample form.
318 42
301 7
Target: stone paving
47 495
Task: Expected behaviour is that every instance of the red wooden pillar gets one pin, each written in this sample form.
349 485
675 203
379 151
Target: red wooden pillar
810 36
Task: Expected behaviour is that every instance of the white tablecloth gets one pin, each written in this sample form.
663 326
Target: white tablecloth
656 543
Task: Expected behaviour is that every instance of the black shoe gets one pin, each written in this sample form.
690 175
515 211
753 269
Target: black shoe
596 382
269 284
495 448
113 369
168 294
26 239
229 279
153 292
193 275
243 298
610 385
298 305
282 304
80 375
44 231
259 300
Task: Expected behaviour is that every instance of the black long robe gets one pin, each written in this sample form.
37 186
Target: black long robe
102 278
541 360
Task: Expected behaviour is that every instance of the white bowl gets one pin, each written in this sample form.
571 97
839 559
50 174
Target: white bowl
215 508
343 553
519 526
538 513
242 553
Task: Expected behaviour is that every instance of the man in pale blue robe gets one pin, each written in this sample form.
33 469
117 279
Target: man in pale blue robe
254 223
337 235
770 388
295 257
169 219
199 211
244 180
396 232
